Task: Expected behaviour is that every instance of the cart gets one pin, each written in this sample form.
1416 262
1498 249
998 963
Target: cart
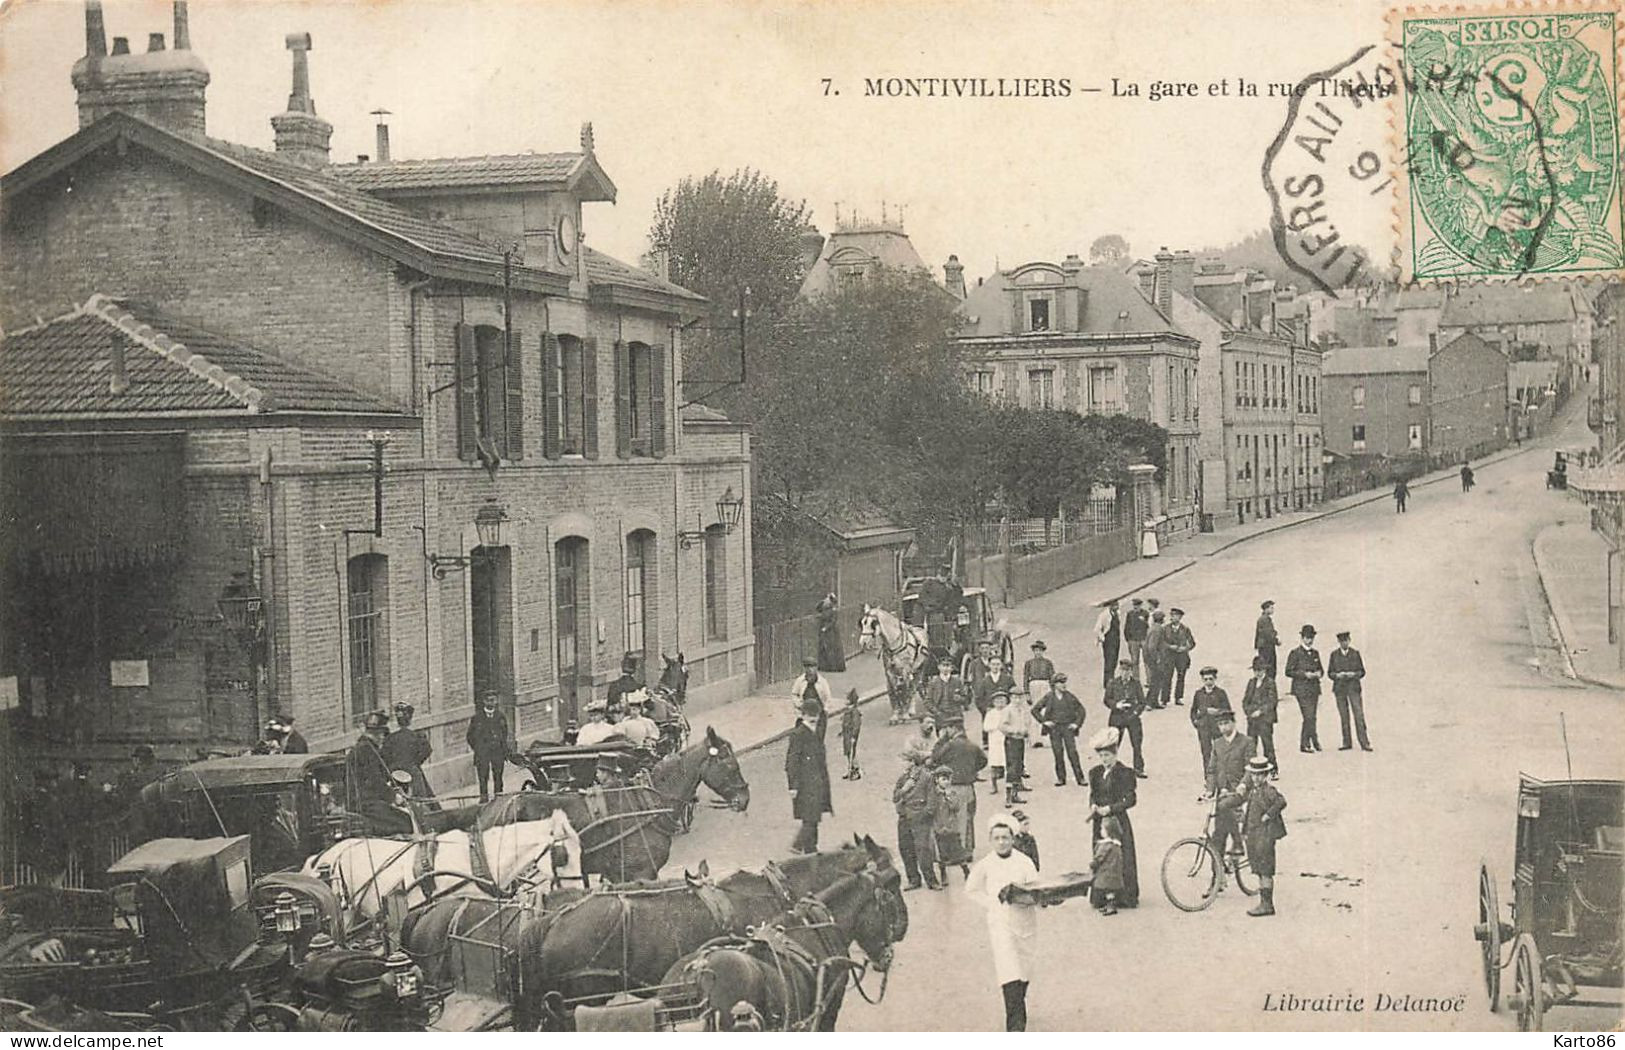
1565 931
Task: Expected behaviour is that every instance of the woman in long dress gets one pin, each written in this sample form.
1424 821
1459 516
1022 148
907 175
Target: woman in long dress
1012 928
1112 794
831 647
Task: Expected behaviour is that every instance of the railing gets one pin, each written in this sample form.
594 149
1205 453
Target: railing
78 858
1030 535
780 647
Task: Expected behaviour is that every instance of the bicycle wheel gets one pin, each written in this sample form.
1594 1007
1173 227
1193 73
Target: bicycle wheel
1245 879
1190 874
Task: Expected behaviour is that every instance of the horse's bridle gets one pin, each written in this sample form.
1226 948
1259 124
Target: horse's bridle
910 641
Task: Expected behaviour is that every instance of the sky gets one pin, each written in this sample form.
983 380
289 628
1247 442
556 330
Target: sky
678 88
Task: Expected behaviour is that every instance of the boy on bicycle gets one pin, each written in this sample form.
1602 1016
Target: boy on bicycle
1261 826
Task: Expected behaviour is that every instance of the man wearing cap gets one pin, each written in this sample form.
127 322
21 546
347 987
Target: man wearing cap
1265 640
1016 724
1125 701
369 773
487 738
1261 828
1109 636
293 743
806 771
407 749
944 696
964 760
1062 713
998 680
1206 703
1345 668
1259 702
810 685
1227 765
1304 671
1035 678
914 796
1136 623
1179 641
1158 665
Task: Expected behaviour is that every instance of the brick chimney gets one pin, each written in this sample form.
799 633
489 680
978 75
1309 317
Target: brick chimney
953 276
382 130
1183 274
1164 286
164 86
301 135
812 246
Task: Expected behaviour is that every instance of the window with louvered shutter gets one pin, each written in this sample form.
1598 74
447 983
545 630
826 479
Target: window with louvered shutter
657 400
589 398
491 369
572 421
624 408
552 410
515 384
467 386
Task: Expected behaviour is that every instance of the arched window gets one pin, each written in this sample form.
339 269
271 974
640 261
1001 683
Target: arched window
367 620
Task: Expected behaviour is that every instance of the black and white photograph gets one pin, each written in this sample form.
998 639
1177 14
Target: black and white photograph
929 516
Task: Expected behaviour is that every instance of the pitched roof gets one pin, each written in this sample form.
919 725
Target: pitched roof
603 269
496 171
1109 296
872 244
1485 304
63 369
1373 360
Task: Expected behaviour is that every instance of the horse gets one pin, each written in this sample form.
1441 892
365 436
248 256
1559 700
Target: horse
629 936
792 975
674 677
904 653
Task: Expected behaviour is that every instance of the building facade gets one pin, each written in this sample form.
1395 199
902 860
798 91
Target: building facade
1542 320
439 456
1083 338
1467 397
1375 400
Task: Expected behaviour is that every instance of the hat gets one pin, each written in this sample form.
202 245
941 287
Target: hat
1209 670
1136 601
1307 630
629 662
1159 616
1058 677
1342 636
1040 644
607 761
402 707
1224 714
1176 611
995 694
811 708
809 661
402 778
375 720
488 700
1260 664
942 771
1267 605
1258 765
597 703
1105 740
1003 820
1019 814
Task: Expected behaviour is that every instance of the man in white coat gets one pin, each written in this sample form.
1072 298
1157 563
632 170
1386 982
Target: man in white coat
1012 928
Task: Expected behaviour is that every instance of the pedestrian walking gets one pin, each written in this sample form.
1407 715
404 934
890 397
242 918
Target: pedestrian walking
1109 636
1402 492
1062 713
1346 669
810 685
487 738
1158 666
1261 828
851 728
1017 727
1136 623
914 797
831 647
1178 640
1112 793
1035 678
1012 927
1466 478
1259 704
1265 640
993 735
368 772
1106 866
407 749
965 761
1206 704
1304 670
806 771
1125 701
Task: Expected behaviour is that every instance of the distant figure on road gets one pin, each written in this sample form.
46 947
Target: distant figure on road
1466 478
1035 677
915 798
851 728
806 772
1345 668
1124 702
831 649
964 761
1259 704
944 696
1225 769
1402 492
1012 928
1109 636
1135 625
809 686
1265 640
993 735
1304 670
487 738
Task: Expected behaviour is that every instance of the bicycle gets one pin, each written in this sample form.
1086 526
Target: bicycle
1190 868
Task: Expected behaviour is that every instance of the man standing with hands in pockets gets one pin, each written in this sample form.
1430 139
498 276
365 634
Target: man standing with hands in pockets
1346 668
1304 670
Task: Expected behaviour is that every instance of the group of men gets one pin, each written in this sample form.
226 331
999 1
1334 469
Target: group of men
1160 643
385 764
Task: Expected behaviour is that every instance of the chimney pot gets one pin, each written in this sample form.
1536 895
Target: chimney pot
155 42
121 45
183 27
362 158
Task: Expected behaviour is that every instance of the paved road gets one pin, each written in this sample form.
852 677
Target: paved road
1377 892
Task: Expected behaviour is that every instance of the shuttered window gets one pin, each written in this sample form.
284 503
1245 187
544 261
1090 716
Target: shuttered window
489 393
640 400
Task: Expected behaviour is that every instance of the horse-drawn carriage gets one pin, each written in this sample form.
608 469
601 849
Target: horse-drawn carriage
1567 929
955 619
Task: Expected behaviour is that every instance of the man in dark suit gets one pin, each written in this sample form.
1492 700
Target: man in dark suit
944 696
368 772
1259 702
1226 766
1158 662
1124 701
1265 640
1136 624
1207 702
1304 670
1109 636
1178 640
487 738
1345 668
1061 712
807 773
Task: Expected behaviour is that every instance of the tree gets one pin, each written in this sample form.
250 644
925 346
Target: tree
1108 248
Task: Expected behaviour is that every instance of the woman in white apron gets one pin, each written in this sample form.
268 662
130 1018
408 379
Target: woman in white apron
1012 928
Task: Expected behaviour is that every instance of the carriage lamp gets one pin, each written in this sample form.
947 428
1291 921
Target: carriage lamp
287 913
730 509
488 522
402 974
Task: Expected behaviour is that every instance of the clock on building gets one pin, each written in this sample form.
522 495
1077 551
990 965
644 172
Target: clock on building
567 235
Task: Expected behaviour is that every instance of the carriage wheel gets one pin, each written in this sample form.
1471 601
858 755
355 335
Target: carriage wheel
1190 874
1488 933
1528 985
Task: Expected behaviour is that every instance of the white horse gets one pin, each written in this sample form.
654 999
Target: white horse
365 872
903 651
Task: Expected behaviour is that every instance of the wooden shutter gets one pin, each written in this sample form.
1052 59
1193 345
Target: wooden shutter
467 368
657 400
623 400
514 382
589 398
552 405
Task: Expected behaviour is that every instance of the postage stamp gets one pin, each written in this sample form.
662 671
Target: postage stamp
1505 133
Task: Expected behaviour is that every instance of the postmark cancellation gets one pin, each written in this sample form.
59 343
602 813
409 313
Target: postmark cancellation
1506 138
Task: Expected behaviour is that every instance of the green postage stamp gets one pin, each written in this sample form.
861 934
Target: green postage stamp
1506 138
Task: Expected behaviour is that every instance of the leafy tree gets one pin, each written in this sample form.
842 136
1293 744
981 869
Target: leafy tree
1108 248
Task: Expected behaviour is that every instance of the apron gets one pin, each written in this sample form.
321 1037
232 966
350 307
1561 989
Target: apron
1012 929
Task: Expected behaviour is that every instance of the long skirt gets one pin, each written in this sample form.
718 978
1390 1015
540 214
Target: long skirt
1129 895
831 653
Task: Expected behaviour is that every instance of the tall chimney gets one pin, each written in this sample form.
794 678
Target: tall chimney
382 153
1182 273
953 276
183 27
160 86
95 30
118 378
301 135
1164 282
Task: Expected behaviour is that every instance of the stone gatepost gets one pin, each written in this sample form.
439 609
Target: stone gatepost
1144 503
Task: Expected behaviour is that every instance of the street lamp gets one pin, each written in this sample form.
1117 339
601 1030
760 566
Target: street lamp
730 510
488 524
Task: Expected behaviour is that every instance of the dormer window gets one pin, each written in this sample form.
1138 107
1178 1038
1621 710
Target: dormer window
1038 315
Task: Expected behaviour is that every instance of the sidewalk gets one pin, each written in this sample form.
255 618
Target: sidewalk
1572 561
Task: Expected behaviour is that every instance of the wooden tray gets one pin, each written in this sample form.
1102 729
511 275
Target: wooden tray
1053 891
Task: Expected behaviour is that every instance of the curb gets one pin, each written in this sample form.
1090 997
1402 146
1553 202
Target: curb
1556 623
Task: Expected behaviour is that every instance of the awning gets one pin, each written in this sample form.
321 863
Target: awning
92 502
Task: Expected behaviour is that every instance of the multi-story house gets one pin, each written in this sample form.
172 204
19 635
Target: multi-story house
1467 397
1374 400
1082 338
1544 320
289 436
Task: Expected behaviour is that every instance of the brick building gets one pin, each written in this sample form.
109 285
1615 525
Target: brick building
1374 400
400 409
1540 320
1069 336
1467 397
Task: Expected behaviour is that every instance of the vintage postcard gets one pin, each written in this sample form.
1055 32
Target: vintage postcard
782 515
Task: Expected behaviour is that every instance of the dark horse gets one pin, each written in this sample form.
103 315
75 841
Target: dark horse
792 974
629 936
